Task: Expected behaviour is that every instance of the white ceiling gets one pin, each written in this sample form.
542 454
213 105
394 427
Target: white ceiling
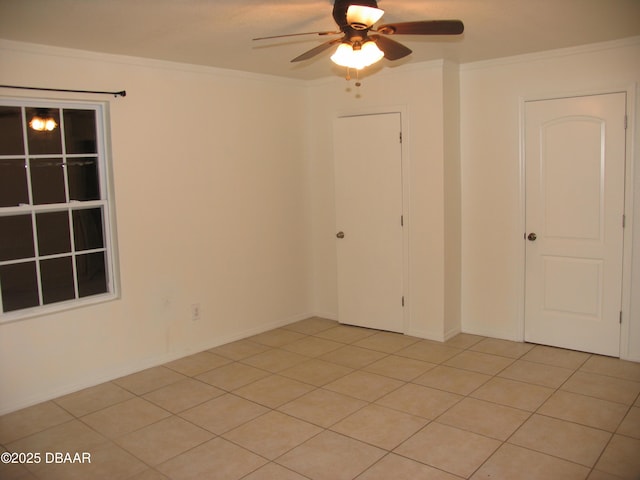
219 32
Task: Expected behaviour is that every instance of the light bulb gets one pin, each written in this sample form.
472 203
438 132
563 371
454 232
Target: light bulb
50 124
37 124
40 124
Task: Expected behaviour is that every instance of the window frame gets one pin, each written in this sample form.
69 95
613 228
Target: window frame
106 203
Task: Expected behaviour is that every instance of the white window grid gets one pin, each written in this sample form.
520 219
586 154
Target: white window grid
105 203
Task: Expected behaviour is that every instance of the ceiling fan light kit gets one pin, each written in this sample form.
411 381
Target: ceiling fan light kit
43 124
43 121
357 56
357 49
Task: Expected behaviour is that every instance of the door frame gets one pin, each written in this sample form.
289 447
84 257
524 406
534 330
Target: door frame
627 249
406 196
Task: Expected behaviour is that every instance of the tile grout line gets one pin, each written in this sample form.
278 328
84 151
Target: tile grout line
506 440
388 354
368 402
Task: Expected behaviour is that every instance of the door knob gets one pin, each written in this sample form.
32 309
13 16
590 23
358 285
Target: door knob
340 234
532 237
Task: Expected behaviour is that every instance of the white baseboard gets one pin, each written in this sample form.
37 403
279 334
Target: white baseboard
327 315
425 334
452 333
632 358
111 373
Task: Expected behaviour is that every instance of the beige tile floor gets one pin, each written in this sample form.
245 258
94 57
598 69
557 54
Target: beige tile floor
320 400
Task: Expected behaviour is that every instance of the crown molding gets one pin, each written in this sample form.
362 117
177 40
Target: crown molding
550 54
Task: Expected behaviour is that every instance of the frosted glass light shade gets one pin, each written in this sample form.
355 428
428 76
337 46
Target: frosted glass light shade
371 53
347 56
360 17
343 55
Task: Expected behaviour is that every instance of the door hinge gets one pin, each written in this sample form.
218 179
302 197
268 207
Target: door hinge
625 122
403 300
402 220
624 220
620 317
400 137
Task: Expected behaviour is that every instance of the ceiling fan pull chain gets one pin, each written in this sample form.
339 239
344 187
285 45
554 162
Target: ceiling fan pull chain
348 76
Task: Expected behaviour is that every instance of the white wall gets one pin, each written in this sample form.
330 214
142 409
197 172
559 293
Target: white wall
492 215
210 189
418 93
226 199
452 200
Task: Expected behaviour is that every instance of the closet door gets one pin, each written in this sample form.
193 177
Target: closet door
369 239
575 171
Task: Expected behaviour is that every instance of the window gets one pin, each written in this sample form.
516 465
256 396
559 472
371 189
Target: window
56 245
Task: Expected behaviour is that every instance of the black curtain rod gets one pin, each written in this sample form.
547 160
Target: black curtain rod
122 93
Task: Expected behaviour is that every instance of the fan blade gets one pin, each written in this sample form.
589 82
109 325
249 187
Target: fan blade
296 35
315 51
392 50
425 27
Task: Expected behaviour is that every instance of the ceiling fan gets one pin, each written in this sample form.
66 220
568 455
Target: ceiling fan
361 44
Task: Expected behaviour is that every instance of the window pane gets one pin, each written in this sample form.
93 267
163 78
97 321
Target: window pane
45 142
57 280
19 286
87 229
16 237
13 182
11 142
54 245
83 179
80 131
53 233
47 180
92 278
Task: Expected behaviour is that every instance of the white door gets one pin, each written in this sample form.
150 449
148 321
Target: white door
575 162
368 194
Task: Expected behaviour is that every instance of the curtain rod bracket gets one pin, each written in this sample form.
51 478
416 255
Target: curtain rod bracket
121 93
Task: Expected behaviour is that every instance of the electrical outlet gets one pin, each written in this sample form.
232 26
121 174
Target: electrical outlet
195 312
